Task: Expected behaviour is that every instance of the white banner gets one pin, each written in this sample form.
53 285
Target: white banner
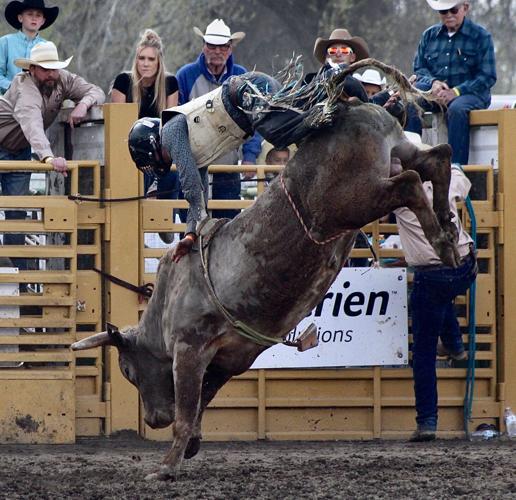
362 321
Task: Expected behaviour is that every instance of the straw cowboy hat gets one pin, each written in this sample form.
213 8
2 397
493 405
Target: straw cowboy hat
442 4
14 9
371 76
218 33
267 147
357 43
45 55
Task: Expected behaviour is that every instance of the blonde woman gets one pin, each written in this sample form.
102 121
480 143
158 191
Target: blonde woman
149 85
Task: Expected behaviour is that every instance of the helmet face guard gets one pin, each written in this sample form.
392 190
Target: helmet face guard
145 147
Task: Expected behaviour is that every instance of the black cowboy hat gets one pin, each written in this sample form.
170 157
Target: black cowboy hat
13 9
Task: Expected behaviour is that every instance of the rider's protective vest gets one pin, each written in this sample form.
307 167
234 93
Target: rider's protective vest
212 131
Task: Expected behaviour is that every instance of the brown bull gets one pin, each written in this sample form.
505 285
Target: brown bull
270 266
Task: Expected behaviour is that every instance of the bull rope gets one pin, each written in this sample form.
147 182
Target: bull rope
307 232
241 328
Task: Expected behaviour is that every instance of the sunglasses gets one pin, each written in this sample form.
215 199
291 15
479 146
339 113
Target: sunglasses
453 10
332 51
224 47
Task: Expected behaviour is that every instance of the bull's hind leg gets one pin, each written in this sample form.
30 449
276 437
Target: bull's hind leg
432 165
406 190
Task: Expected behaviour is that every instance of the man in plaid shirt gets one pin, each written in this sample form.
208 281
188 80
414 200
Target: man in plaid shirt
455 60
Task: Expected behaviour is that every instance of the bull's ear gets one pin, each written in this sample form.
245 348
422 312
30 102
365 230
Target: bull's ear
97 340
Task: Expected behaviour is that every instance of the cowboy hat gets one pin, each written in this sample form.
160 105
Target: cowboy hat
371 76
218 33
266 149
15 8
45 55
357 43
443 4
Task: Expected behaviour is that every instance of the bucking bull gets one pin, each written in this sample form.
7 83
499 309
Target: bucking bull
271 265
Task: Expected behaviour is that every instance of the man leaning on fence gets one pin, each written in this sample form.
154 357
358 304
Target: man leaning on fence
28 108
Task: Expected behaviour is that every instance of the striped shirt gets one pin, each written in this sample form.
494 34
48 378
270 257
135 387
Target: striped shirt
465 60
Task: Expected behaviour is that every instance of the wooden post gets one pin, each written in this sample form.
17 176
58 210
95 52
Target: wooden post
121 251
507 261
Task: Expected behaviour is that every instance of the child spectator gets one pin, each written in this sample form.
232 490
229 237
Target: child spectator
29 17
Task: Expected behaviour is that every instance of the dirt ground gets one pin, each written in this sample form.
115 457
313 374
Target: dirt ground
115 469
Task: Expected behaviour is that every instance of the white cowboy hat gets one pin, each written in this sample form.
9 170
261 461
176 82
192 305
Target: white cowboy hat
218 33
371 76
45 55
442 4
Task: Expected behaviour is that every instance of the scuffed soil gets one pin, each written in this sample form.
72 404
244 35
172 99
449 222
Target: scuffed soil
114 468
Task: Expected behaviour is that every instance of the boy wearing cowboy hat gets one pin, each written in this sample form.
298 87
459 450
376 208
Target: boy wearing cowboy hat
455 60
212 68
29 17
29 107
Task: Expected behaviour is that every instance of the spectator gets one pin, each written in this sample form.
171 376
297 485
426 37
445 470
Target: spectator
338 52
434 290
455 60
152 88
211 69
372 81
29 17
28 108
271 155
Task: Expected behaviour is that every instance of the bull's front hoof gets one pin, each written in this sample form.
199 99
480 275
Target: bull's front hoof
164 474
192 448
449 255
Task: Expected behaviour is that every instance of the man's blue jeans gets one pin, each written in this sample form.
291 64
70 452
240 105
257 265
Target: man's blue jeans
15 184
457 119
433 315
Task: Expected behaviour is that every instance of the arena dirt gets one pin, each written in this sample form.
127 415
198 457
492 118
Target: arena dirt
115 469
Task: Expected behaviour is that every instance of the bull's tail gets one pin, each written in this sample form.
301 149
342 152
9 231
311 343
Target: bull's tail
399 81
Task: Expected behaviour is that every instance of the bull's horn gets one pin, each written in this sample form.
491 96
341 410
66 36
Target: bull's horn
97 340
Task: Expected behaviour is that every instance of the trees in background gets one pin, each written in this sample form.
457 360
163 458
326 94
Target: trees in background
101 35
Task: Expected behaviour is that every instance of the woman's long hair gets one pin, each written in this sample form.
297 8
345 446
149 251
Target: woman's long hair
151 39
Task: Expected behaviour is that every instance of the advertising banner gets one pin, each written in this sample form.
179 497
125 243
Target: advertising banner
362 321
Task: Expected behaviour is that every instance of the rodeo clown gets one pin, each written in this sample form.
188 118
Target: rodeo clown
193 135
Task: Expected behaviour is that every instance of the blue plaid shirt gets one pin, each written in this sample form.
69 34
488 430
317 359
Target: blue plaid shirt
465 61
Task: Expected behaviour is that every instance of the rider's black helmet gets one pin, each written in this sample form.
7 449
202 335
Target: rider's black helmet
145 146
